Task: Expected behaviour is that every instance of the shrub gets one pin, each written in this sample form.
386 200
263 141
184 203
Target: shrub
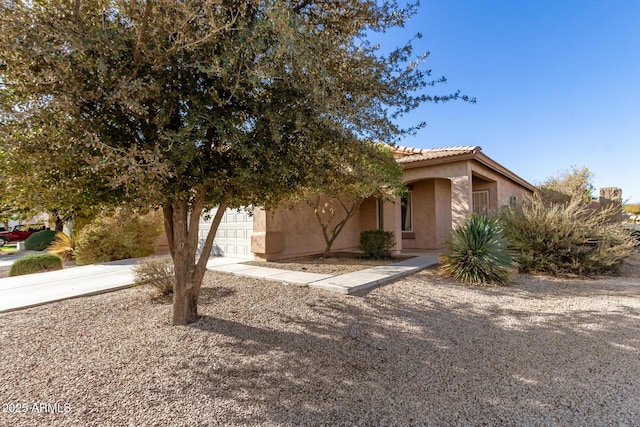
478 252
566 238
121 235
40 240
35 263
157 272
377 243
63 246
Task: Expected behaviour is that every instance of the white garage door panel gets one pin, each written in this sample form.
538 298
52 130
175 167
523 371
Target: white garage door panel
233 237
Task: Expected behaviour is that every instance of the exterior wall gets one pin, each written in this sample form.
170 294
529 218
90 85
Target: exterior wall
505 188
423 216
393 223
461 199
295 231
431 213
444 217
480 184
441 199
459 176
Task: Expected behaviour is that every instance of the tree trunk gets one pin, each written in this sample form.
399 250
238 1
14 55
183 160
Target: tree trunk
331 236
185 303
182 229
59 223
327 250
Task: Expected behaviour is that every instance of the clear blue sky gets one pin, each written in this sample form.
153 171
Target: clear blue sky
557 84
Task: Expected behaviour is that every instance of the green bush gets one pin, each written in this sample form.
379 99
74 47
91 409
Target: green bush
40 240
566 238
121 235
478 252
377 243
158 273
35 263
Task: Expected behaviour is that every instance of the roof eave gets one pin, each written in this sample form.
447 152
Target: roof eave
479 157
492 164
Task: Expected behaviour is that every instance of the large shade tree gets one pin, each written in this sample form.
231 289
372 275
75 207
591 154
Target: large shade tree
187 105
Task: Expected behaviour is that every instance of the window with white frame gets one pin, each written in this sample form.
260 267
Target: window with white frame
481 202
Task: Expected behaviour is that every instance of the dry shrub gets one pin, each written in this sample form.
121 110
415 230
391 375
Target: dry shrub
123 234
157 272
63 246
566 238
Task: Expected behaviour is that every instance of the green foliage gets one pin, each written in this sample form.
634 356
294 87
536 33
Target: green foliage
376 244
121 235
191 105
632 208
365 170
565 239
158 272
575 184
63 246
40 240
35 263
478 252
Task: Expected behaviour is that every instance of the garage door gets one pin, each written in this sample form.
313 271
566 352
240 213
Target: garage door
233 238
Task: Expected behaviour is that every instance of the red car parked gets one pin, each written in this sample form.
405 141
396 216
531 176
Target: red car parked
20 232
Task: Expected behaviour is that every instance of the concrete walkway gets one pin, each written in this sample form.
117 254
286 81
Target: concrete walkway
41 288
345 283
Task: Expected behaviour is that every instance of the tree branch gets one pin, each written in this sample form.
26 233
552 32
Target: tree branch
208 243
167 213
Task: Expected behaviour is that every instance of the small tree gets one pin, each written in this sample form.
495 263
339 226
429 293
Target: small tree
365 170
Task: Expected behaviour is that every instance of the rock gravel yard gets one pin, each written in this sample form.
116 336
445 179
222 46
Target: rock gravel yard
338 263
422 351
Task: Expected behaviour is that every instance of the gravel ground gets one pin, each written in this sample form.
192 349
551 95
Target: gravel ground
338 263
422 351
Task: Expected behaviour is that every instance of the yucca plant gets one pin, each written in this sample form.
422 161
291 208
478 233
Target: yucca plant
478 252
63 245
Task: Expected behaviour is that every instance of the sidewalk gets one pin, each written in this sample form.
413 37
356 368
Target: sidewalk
345 283
41 288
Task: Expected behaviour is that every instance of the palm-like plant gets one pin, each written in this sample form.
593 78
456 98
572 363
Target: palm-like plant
63 245
478 252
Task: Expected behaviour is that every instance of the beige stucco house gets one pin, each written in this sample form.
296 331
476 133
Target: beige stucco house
445 185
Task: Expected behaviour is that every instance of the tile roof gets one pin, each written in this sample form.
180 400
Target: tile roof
409 155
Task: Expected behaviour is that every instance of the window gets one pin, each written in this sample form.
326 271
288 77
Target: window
481 202
380 214
407 217
513 201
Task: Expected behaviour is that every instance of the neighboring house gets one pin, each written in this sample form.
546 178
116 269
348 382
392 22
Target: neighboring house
445 185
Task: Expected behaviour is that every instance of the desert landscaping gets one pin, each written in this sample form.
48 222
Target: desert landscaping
425 350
